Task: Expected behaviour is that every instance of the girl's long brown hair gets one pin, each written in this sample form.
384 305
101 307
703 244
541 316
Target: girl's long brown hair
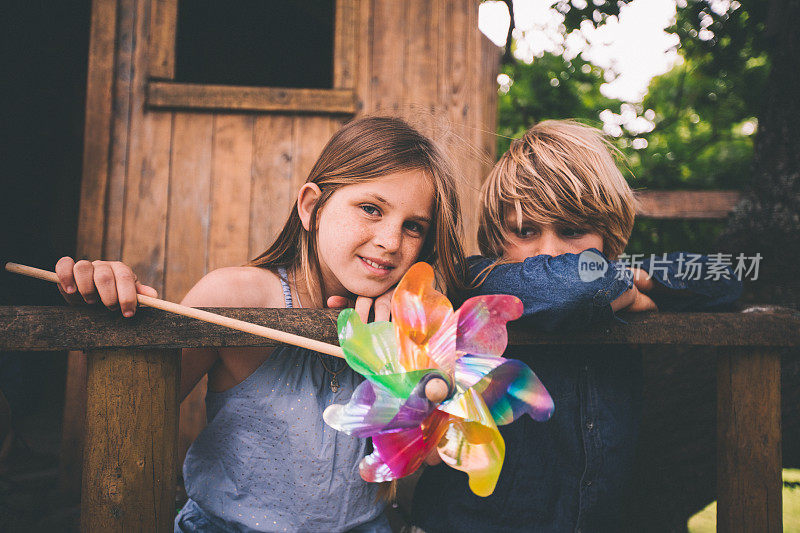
363 150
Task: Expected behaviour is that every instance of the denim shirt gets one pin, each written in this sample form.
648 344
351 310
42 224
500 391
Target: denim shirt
571 472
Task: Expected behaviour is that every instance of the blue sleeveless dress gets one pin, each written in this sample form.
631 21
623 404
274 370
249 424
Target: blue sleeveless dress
266 461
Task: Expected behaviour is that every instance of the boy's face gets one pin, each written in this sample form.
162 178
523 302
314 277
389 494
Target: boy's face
550 239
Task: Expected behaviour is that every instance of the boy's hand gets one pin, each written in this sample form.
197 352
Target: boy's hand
110 282
635 299
433 458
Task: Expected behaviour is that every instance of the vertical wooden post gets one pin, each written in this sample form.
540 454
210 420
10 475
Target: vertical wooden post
749 440
130 454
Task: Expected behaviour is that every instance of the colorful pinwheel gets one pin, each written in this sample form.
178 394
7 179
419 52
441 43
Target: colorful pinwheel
426 339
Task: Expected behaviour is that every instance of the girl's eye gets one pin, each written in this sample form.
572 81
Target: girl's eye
370 209
572 233
415 227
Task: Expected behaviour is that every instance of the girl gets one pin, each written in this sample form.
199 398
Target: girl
380 198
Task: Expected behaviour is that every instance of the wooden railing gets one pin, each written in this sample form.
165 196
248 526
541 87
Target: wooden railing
130 458
686 205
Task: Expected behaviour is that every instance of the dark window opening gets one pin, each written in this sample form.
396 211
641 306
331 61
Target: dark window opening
263 43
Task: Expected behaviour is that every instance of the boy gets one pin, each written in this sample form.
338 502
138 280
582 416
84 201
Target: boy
554 204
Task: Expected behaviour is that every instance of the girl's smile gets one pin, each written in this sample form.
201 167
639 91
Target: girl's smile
370 233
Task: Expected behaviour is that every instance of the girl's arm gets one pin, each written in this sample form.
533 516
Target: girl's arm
115 285
228 287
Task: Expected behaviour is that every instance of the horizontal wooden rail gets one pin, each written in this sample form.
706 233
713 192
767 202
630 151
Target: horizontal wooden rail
129 463
174 95
686 204
79 328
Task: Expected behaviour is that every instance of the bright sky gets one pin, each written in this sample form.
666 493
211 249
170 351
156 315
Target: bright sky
634 46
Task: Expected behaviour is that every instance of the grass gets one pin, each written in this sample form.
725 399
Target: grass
706 520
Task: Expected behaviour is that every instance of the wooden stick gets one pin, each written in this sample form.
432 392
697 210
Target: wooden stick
205 316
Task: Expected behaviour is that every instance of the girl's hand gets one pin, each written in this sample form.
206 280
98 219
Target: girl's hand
436 389
382 306
634 299
110 282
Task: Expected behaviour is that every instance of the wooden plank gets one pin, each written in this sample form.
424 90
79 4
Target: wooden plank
99 84
749 440
421 59
147 184
475 156
687 204
364 78
59 328
163 24
273 193
72 434
311 134
102 113
146 199
120 132
189 209
455 94
174 95
490 64
344 44
388 55
228 237
130 464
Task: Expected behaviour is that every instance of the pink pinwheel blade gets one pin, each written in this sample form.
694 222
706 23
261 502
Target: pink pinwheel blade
477 328
401 452
482 324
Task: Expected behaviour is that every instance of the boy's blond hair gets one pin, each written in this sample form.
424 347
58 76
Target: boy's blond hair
559 172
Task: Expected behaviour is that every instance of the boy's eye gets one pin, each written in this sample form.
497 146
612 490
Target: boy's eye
370 209
572 232
526 231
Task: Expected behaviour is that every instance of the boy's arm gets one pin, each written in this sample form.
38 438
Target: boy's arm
558 293
692 282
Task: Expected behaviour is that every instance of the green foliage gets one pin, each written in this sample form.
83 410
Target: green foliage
550 87
700 140
703 110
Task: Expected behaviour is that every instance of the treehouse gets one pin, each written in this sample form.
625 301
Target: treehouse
202 119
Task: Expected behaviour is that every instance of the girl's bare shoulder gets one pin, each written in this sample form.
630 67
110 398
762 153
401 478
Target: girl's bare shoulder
239 286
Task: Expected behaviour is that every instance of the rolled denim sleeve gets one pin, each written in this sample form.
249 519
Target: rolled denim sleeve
698 282
562 292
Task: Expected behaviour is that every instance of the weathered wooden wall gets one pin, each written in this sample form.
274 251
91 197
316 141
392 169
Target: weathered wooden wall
177 193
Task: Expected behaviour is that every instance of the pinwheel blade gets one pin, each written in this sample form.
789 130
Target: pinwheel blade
418 312
482 324
373 408
473 444
368 348
511 390
401 452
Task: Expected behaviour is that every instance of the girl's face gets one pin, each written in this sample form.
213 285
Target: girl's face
369 234
551 239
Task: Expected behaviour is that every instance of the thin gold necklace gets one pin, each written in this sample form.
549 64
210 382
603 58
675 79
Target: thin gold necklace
334 380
